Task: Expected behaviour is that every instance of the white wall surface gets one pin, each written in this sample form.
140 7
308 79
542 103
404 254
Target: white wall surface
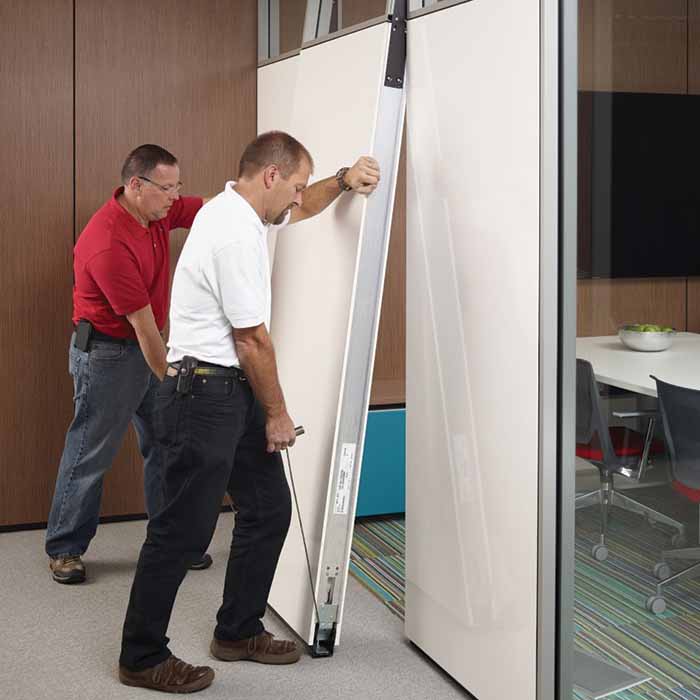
472 343
277 84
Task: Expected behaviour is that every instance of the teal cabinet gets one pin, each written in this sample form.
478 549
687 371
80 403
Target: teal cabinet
383 479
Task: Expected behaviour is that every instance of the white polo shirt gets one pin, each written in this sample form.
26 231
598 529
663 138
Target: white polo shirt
222 280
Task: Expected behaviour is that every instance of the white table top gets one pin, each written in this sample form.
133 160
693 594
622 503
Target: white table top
616 365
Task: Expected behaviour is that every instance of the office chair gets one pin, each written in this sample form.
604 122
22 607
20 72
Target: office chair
680 413
614 450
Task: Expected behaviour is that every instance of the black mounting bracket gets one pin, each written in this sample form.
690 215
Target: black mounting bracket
323 648
396 60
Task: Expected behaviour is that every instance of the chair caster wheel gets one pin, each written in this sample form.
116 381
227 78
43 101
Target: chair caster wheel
599 552
678 540
656 604
662 571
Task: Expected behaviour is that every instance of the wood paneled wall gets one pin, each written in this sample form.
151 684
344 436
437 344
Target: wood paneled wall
633 45
36 245
162 72
693 305
605 305
694 47
389 379
356 11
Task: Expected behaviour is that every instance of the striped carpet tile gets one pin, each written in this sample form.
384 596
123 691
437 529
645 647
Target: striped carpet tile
377 560
610 618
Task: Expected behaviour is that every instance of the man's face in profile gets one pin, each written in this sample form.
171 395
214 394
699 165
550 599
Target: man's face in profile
290 191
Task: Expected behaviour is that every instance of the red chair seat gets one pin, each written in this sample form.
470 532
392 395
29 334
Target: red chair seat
626 443
691 494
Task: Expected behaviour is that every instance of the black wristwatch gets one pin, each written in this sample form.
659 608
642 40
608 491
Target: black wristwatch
340 178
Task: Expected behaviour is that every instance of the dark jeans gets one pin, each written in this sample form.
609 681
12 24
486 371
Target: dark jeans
113 386
213 441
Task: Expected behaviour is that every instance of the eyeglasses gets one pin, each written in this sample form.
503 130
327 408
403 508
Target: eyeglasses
168 189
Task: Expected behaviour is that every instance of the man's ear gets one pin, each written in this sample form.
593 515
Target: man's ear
270 175
134 184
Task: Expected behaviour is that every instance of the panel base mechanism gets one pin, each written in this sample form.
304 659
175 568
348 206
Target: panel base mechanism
324 641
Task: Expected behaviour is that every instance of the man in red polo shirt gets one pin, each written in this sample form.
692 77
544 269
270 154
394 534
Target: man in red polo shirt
117 354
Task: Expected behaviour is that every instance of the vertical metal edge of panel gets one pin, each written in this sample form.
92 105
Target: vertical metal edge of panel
313 9
567 172
548 332
263 30
363 327
325 17
317 20
274 35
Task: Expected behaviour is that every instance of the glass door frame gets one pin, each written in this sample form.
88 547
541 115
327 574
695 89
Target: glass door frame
566 374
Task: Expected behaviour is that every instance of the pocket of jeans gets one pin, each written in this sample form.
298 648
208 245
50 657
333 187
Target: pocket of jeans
106 351
75 360
215 389
167 419
165 394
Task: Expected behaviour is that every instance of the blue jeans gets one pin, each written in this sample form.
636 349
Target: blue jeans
113 386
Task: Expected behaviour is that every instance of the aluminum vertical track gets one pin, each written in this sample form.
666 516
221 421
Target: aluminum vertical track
331 581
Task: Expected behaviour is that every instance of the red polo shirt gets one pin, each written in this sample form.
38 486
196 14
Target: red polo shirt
120 266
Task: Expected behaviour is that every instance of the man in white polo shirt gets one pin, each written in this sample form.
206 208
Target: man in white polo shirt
222 417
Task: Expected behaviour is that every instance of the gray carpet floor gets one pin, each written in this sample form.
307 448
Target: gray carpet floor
63 641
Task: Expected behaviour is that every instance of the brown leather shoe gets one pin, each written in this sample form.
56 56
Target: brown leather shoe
263 648
169 676
67 569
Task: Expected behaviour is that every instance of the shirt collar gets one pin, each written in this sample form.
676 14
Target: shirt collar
125 216
245 206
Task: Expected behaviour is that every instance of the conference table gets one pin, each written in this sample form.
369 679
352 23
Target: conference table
616 365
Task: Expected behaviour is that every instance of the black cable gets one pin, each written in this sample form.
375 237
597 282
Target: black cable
303 536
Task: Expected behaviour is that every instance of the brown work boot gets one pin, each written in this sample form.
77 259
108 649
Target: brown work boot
169 676
263 648
69 569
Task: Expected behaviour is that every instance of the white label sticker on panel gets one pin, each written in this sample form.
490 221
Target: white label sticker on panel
342 492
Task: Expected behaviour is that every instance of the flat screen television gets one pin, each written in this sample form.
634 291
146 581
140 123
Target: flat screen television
639 185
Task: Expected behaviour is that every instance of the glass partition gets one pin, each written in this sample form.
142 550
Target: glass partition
284 25
280 27
637 454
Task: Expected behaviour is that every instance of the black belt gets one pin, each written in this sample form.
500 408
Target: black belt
208 369
104 338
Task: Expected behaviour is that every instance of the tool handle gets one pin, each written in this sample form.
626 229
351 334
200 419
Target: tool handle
299 430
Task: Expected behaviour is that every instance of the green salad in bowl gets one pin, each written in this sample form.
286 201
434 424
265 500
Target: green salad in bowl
646 337
648 328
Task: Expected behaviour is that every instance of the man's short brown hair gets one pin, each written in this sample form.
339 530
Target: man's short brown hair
144 160
273 148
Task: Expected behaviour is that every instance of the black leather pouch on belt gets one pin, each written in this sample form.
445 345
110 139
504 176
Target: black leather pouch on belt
186 374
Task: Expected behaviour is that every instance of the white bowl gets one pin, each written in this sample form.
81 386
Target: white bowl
646 341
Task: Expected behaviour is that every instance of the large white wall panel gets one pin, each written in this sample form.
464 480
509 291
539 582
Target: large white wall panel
334 115
277 84
472 343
